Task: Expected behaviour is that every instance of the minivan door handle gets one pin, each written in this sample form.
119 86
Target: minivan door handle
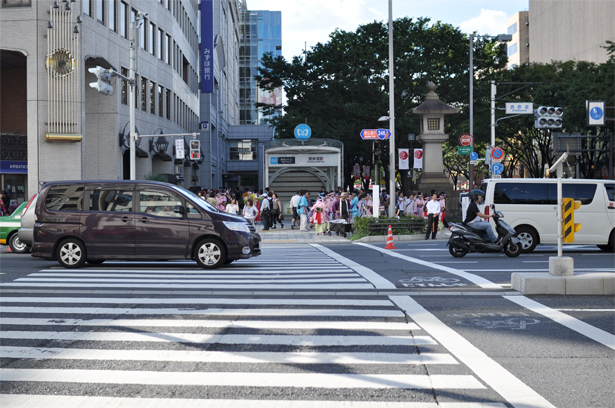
125 219
144 220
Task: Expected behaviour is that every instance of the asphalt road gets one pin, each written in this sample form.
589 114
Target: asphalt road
304 324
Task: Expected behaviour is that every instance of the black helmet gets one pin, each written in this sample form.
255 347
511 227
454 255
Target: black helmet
474 194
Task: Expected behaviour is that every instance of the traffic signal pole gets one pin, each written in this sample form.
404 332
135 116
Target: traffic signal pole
560 265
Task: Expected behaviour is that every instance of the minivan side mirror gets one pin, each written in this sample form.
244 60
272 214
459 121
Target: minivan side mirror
179 209
493 207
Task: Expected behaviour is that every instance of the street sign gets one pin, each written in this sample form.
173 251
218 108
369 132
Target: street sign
474 162
375 134
497 169
303 132
464 149
595 113
497 154
474 157
465 139
180 153
519 108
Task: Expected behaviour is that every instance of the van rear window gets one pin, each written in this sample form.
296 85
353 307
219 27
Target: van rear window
67 197
541 193
610 190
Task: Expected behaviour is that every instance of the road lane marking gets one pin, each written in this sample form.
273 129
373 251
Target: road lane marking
206 312
493 374
482 282
200 301
230 379
190 280
212 286
63 401
244 275
378 281
245 357
199 338
231 324
585 310
457 262
572 323
535 261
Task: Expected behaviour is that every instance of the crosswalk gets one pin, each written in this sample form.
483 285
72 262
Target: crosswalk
72 349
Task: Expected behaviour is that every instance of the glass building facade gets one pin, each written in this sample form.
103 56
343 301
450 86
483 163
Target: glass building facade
260 33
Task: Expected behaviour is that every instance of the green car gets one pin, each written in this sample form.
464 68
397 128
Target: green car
8 230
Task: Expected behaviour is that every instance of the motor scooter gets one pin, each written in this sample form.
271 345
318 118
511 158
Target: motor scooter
465 239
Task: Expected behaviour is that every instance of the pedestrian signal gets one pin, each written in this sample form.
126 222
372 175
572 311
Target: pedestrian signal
195 150
568 225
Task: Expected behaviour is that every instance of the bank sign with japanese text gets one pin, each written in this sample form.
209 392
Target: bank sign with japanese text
304 160
207 46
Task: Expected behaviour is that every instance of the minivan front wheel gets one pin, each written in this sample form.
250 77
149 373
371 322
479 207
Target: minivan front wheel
71 254
210 253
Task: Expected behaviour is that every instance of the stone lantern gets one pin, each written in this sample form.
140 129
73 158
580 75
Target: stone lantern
431 115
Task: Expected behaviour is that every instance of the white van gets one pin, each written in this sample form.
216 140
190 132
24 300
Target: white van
529 206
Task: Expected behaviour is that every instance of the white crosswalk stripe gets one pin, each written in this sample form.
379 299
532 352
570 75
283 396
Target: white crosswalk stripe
224 351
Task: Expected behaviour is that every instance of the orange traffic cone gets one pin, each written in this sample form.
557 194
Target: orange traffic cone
390 239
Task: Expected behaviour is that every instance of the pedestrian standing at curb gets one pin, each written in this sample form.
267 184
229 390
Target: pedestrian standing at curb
276 212
249 211
294 204
344 207
232 208
302 210
266 212
433 216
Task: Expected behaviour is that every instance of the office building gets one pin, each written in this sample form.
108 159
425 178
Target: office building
519 46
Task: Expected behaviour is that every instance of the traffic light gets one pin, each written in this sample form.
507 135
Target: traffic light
548 117
104 78
568 225
195 149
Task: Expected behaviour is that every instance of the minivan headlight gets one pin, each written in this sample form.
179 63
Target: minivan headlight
236 226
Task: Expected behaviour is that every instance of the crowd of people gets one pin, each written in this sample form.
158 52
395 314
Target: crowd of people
327 206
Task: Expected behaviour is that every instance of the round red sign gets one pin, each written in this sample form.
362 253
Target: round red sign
465 139
403 155
418 154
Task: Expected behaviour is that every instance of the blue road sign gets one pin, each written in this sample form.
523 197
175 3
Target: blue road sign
497 169
303 132
596 113
383 134
473 156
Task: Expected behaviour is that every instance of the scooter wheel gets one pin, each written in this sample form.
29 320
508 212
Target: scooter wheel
512 250
456 252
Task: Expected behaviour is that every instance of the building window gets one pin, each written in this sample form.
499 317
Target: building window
100 11
112 11
512 49
168 104
160 101
123 20
124 87
167 50
151 33
152 98
512 29
144 94
16 3
159 44
243 149
86 7
433 123
142 34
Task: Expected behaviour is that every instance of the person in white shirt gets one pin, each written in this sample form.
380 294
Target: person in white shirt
433 215
249 211
294 203
232 208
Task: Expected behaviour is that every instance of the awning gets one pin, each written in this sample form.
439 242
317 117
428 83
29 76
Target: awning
164 156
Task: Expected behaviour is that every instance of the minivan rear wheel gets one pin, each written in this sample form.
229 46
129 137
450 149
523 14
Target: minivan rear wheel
210 253
71 254
528 238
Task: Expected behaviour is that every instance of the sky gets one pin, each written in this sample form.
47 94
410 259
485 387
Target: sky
312 21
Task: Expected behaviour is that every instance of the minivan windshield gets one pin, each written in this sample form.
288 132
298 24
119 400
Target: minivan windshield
197 200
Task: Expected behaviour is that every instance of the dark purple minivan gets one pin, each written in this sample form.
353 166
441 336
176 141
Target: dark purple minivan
95 221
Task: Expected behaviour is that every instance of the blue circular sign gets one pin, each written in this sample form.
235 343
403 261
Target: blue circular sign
382 133
473 156
497 168
303 132
596 113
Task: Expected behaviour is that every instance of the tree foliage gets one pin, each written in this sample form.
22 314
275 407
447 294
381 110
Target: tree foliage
341 86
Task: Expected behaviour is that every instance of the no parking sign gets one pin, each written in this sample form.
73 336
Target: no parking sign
497 154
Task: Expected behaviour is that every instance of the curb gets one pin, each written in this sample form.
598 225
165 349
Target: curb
532 283
417 237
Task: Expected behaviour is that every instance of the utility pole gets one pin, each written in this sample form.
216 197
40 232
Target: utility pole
392 152
132 75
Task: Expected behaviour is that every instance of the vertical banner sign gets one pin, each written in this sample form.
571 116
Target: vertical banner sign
366 172
404 159
356 170
418 159
207 46
179 149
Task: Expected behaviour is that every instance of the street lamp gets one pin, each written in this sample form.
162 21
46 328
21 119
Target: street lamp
392 153
502 38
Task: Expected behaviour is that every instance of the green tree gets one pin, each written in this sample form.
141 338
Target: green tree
341 86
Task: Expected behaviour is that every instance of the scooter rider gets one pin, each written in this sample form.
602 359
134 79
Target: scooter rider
477 197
